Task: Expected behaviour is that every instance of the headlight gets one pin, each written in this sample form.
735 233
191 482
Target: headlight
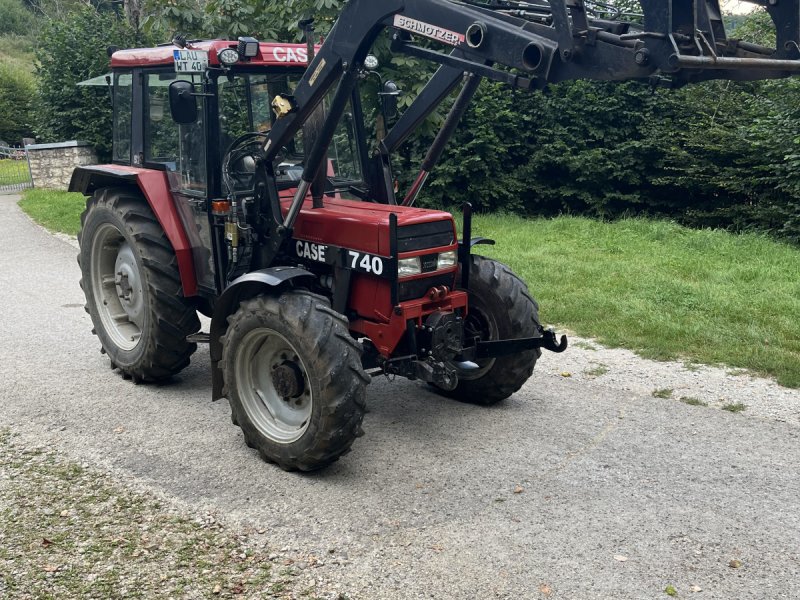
228 56
371 62
409 266
447 259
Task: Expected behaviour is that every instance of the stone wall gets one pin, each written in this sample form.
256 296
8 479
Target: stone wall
52 164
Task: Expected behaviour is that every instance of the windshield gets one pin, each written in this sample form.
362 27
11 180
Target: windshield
245 106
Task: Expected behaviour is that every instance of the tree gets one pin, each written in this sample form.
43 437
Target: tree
76 51
17 93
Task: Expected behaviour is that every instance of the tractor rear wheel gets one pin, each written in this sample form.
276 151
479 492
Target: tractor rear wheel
132 286
294 379
500 307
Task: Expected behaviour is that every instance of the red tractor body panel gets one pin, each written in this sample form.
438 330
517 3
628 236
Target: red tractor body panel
269 55
155 187
365 227
386 336
358 225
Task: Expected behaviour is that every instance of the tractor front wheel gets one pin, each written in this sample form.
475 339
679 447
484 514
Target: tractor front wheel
130 278
500 307
294 379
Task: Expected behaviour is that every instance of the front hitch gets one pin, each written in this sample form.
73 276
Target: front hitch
496 348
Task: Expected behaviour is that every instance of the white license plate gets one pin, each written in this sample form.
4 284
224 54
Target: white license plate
190 61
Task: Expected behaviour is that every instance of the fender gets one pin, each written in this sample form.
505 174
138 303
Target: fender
155 188
247 286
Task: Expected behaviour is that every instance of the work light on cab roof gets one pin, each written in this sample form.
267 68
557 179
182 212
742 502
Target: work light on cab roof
228 56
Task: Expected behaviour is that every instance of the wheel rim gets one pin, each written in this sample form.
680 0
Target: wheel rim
117 287
273 385
477 325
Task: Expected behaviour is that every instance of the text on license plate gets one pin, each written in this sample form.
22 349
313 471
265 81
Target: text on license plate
190 61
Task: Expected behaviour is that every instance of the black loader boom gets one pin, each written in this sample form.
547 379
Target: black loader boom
523 44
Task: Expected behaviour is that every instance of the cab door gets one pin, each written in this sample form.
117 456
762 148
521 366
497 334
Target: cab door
180 151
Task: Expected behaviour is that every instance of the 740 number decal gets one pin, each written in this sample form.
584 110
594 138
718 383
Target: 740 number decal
344 257
361 261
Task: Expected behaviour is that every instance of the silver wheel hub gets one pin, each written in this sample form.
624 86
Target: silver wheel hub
117 287
273 385
128 284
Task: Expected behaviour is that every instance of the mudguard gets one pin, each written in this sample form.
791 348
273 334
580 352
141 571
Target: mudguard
247 286
155 188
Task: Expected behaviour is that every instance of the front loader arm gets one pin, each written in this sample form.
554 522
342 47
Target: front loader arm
526 45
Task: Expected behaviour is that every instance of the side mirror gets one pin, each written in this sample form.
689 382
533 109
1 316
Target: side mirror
389 97
182 102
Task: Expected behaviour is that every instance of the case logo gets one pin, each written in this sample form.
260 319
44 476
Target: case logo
311 251
298 55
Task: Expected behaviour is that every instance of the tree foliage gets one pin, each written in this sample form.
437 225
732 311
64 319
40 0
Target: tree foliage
17 91
14 18
718 154
76 51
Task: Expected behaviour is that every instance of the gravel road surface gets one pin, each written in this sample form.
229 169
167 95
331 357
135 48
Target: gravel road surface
581 486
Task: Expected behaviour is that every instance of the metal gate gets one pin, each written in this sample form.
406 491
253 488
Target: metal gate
15 172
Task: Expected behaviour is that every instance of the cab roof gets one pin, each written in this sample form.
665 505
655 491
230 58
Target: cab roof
269 55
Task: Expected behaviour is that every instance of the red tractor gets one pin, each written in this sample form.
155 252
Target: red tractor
243 187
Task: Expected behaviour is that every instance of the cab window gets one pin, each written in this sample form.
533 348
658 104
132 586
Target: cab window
244 106
122 116
179 149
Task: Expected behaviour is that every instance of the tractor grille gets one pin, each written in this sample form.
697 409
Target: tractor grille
416 288
425 235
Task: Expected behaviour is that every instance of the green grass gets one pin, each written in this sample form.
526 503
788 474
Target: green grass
665 291
13 172
58 211
693 401
664 393
18 51
597 371
735 408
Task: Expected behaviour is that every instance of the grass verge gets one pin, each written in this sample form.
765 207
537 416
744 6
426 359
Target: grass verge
665 291
13 172
70 533
58 211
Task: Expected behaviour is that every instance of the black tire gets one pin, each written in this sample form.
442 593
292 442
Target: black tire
315 420
119 222
500 307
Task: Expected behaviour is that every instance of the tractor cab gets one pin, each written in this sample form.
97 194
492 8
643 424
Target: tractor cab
154 90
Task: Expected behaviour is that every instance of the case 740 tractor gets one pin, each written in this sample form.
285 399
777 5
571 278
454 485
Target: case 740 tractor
243 187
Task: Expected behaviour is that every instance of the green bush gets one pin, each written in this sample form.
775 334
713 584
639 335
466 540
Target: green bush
719 154
76 51
17 95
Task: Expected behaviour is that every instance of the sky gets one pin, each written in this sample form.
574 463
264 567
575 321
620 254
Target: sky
737 7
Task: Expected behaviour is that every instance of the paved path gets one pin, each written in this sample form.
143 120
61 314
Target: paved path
425 505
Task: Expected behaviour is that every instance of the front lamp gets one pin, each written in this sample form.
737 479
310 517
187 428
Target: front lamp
406 267
371 62
228 56
447 259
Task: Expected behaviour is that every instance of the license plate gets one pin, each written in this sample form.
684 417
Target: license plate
190 61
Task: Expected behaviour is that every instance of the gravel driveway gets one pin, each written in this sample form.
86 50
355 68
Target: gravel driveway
583 485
